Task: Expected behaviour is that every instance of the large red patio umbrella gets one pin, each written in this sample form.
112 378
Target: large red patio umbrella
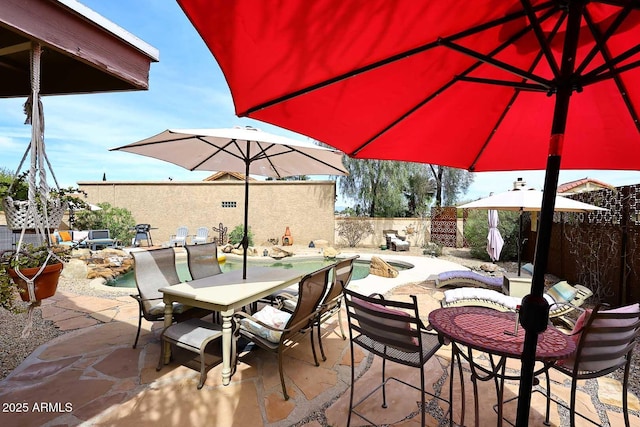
476 85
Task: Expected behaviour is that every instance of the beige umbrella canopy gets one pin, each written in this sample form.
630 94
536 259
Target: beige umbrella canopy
527 200
241 149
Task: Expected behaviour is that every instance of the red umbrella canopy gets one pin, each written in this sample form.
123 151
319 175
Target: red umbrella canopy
456 83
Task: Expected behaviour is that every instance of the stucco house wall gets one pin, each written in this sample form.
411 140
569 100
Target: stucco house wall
306 207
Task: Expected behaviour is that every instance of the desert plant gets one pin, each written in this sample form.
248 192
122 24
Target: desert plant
235 237
354 231
119 221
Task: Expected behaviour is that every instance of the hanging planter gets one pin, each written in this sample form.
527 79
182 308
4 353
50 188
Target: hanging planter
45 283
19 215
36 264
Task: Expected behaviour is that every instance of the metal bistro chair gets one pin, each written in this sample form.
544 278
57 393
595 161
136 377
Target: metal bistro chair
605 342
392 330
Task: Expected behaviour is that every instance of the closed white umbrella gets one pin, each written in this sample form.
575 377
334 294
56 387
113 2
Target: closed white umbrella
494 239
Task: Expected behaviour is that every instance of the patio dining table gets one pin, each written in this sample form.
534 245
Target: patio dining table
494 333
225 293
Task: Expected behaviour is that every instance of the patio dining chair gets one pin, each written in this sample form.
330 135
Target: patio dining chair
202 260
332 301
605 342
155 269
392 330
278 330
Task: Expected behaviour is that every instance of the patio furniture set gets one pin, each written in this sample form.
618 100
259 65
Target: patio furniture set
600 343
163 296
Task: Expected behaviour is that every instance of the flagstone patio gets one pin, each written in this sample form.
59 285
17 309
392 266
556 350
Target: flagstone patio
92 376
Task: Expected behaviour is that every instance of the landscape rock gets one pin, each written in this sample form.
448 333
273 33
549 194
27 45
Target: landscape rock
330 252
278 253
75 269
381 268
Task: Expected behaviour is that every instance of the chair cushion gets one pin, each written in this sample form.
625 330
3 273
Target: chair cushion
268 315
158 309
590 351
562 292
393 323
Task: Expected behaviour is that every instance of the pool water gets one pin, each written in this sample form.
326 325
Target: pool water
360 269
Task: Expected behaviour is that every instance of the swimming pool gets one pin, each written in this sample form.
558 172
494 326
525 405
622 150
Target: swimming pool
360 268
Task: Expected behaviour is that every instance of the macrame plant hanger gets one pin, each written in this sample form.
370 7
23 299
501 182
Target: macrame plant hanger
38 203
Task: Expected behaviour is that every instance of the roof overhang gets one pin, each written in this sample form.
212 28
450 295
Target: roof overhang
83 52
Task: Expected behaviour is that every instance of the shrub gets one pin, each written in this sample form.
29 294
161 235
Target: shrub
354 231
235 237
476 229
119 221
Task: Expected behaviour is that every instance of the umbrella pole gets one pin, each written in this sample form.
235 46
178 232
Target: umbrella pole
245 238
534 312
519 241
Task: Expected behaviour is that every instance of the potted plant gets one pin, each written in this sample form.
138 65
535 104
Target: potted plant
16 205
41 264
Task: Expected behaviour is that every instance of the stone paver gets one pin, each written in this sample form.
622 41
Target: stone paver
91 375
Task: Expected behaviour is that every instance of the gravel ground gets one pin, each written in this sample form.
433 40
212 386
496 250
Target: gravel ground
11 355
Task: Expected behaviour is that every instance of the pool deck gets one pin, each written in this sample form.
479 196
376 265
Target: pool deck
91 376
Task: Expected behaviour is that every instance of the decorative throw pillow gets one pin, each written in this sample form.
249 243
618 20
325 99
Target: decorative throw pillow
65 236
271 316
393 323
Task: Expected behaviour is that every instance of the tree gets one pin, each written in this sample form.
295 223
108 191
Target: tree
450 183
378 186
383 188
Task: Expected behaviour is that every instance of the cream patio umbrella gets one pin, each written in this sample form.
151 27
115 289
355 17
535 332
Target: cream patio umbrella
241 149
527 200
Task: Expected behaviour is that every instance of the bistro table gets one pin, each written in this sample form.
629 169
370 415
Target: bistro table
224 293
493 332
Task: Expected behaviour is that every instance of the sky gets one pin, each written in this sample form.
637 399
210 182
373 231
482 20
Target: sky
186 90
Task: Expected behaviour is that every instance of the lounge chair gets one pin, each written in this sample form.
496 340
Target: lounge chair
180 238
201 236
395 242
465 278
562 298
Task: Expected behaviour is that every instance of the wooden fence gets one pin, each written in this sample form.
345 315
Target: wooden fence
600 250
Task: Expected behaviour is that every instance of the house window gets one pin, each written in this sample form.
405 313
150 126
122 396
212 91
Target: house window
228 204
